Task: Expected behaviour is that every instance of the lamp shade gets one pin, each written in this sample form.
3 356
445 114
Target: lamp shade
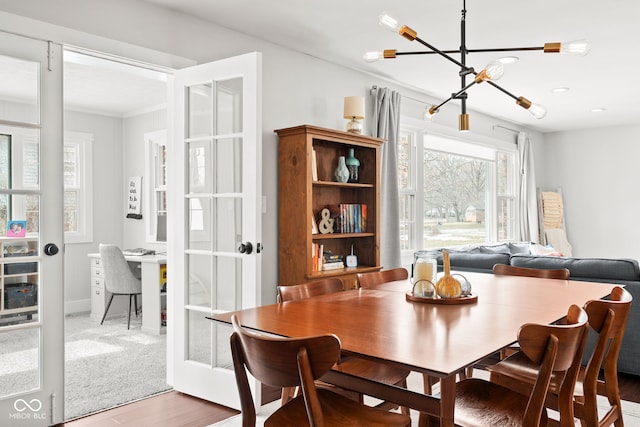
354 107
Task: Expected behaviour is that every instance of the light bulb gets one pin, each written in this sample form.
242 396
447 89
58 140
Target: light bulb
577 47
493 71
429 112
389 22
538 111
373 56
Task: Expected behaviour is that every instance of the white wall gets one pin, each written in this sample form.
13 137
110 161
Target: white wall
297 88
599 175
133 161
107 171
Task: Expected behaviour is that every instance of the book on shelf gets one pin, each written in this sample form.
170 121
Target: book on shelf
314 165
317 259
352 218
332 265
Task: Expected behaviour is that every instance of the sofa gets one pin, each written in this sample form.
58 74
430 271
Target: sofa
622 271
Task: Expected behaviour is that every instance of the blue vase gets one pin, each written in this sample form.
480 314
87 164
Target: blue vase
353 165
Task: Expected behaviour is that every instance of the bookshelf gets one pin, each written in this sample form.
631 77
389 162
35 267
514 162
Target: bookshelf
301 199
18 277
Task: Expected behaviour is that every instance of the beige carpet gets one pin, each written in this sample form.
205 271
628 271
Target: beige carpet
631 410
105 365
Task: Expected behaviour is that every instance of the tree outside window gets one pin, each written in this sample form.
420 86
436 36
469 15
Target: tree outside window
452 192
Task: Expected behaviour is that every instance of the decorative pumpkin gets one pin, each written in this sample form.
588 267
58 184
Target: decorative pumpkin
448 286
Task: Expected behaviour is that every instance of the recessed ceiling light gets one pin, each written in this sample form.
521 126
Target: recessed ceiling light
508 59
560 89
598 110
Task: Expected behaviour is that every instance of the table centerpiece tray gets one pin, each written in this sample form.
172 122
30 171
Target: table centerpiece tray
443 301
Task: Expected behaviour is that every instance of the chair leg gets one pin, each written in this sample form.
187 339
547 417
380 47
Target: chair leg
135 300
107 309
129 313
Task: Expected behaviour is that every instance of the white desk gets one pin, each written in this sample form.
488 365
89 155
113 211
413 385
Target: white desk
151 295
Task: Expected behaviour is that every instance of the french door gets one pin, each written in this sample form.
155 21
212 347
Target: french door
31 233
214 228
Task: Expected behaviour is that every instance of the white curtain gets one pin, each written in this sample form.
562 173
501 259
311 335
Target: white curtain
385 123
528 229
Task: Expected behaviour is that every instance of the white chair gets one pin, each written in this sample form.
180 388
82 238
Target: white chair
119 279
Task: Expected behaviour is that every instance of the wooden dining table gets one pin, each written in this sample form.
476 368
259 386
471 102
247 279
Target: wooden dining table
437 339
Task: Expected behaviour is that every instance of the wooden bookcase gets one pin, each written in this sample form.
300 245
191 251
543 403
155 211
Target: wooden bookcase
300 199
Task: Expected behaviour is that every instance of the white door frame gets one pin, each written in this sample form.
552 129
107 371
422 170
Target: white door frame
212 382
45 405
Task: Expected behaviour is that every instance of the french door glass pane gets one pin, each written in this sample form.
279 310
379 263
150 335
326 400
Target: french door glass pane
200 110
199 166
200 271
228 213
200 337
199 223
19 368
228 165
228 103
19 85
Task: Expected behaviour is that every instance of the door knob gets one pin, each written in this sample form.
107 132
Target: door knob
245 248
50 249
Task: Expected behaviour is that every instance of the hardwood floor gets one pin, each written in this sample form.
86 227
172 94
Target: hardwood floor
170 409
173 409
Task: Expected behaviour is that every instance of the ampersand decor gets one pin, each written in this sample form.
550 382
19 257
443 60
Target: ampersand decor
326 223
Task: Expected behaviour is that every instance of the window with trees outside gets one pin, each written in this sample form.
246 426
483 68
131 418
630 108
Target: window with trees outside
453 192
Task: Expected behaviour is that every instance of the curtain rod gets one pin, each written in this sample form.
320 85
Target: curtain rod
374 87
505 128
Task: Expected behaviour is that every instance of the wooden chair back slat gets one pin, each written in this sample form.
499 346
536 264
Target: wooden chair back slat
308 290
370 280
510 270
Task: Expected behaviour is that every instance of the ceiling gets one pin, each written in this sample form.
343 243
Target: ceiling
341 32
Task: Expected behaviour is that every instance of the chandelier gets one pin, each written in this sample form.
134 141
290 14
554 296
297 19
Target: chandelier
492 72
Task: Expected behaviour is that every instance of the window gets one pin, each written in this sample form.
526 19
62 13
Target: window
453 192
156 171
78 182
19 151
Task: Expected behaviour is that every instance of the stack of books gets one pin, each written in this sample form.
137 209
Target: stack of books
325 260
332 261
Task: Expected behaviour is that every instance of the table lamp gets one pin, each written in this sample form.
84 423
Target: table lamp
354 110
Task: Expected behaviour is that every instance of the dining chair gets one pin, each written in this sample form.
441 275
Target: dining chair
552 350
291 362
379 372
371 279
511 270
608 320
119 279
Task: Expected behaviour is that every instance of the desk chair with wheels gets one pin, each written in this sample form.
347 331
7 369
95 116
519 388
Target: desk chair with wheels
551 350
379 372
119 279
607 319
292 362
